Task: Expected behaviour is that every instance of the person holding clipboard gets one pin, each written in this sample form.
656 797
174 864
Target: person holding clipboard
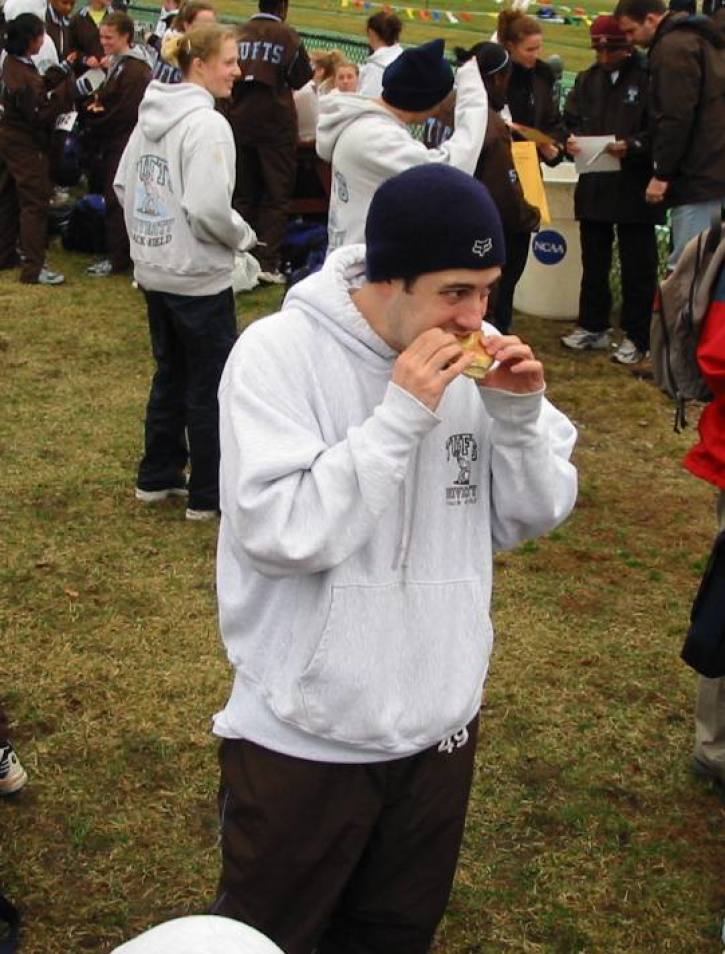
609 102
531 98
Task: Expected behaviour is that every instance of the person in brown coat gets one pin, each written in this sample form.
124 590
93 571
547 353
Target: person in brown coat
30 110
57 25
495 169
262 115
687 111
86 36
110 119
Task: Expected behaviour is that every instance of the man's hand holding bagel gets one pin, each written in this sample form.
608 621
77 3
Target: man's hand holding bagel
429 364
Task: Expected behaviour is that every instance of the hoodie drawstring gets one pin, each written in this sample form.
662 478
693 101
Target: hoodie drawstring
407 507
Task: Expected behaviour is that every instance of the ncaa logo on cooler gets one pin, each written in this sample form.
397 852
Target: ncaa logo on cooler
549 247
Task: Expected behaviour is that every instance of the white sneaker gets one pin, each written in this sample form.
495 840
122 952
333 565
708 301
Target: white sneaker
48 277
272 278
100 269
12 774
155 496
60 197
628 353
198 515
582 340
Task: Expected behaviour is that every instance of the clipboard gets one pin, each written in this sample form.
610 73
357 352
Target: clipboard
526 163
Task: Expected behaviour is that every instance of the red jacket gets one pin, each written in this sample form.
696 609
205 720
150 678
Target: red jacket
707 457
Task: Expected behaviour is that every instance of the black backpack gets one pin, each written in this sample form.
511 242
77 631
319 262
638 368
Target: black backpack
85 229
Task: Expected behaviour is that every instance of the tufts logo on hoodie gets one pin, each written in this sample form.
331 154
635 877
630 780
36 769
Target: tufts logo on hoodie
463 449
152 222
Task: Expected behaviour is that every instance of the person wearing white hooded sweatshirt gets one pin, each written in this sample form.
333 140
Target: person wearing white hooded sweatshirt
365 483
175 182
367 140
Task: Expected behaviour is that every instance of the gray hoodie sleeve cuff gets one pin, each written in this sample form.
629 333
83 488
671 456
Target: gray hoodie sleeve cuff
515 414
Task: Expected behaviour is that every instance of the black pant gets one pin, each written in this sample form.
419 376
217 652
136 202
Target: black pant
266 174
342 859
638 259
117 243
501 309
191 338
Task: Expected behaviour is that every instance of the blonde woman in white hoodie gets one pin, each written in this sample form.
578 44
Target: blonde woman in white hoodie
175 182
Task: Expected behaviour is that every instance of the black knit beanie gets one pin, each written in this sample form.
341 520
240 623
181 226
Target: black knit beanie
430 218
419 78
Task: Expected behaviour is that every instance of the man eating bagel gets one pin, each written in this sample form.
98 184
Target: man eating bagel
366 481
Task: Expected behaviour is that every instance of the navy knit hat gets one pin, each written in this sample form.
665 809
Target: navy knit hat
430 218
419 78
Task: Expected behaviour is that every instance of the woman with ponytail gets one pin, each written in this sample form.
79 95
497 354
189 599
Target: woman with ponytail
495 169
531 94
175 182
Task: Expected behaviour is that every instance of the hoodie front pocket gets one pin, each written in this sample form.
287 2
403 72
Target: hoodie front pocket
399 665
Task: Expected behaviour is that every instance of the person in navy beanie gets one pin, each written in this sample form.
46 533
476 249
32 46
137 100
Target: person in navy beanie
365 483
367 140
397 238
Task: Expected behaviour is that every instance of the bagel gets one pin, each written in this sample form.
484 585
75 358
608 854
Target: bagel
475 344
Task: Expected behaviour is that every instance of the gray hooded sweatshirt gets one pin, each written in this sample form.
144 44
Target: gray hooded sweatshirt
367 145
175 183
355 550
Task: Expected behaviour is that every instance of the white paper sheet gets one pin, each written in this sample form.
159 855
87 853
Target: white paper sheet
593 158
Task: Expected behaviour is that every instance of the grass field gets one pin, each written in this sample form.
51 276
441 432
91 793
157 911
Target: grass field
586 830
571 41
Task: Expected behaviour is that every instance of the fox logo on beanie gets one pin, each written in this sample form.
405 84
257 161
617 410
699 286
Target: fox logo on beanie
428 219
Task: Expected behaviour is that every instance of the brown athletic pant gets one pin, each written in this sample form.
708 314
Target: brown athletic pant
266 174
342 859
24 198
118 247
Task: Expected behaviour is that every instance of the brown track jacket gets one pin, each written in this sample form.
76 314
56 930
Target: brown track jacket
495 167
58 29
273 61
29 112
85 36
687 107
120 97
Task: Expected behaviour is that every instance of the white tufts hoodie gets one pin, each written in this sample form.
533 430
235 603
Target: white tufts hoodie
175 183
367 145
355 550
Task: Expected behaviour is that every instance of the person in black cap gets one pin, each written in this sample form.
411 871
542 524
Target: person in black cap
367 142
611 98
365 483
